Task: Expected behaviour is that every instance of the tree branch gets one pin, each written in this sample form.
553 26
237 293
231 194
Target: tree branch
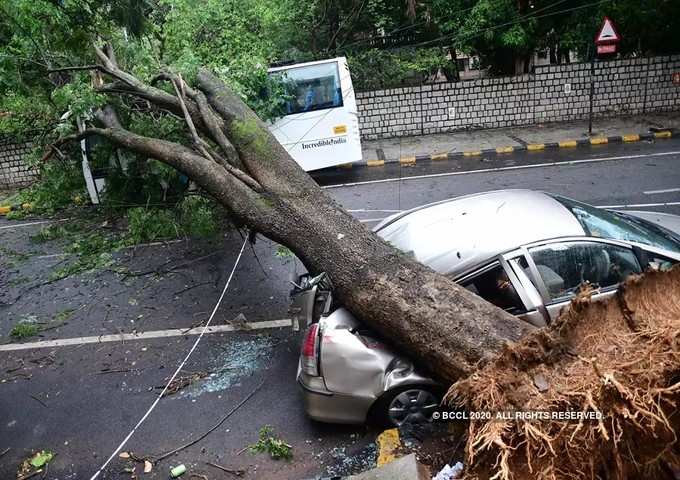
213 123
243 201
200 143
75 68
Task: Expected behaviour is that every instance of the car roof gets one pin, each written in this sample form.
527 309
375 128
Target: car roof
455 235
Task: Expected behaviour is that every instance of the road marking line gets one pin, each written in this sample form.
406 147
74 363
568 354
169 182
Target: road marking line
41 222
568 144
631 138
664 134
505 149
599 140
503 169
369 220
121 337
667 190
472 153
375 163
407 160
364 210
641 205
439 156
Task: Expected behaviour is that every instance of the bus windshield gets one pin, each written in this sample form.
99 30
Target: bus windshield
312 87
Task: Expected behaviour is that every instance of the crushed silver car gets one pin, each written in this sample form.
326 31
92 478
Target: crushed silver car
526 252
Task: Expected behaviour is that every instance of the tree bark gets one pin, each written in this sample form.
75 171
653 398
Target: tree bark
444 327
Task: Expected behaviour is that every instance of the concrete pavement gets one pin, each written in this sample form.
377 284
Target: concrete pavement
517 137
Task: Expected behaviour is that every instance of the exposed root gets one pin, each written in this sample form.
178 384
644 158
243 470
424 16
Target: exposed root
617 359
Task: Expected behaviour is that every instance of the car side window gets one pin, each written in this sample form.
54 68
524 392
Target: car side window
494 286
563 267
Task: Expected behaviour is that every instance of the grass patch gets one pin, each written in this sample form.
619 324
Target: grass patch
274 446
24 329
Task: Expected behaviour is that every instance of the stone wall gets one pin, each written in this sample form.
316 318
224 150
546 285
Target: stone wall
14 172
551 93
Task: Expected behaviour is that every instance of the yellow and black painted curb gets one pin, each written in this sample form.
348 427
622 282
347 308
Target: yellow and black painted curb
531 147
388 445
5 209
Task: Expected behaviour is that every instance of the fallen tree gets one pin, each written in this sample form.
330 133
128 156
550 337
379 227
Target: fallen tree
445 328
235 158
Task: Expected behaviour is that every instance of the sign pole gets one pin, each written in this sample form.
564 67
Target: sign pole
592 94
606 42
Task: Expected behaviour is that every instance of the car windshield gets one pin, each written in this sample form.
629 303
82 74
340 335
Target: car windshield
619 226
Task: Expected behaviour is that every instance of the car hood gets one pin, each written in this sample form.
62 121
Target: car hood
666 220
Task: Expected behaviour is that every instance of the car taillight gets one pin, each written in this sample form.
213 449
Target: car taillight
310 350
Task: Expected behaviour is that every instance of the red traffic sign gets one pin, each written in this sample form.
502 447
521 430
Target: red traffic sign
676 78
605 49
607 34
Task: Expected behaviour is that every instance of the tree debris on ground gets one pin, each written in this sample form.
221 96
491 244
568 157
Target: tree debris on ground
181 382
269 443
35 464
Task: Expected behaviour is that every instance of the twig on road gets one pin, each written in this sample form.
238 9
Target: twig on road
191 288
159 271
39 401
5 451
30 475
213 428
237 472
117 370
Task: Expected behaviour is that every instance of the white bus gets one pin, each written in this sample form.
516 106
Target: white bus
321 126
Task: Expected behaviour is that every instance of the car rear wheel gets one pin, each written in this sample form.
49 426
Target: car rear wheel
410 404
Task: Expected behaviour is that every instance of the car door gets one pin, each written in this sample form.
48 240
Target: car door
498 284
560 268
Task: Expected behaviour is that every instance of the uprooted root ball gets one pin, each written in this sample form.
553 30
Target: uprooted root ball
616 358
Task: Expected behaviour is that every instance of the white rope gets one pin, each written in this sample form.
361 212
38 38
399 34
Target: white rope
181 365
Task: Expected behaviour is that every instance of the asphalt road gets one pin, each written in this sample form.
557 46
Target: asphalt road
611 175
80 401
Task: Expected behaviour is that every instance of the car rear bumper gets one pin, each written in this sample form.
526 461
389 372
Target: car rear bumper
329 407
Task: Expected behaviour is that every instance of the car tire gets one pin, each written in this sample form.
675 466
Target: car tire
406 404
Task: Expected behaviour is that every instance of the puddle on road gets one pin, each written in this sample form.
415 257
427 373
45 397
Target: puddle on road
230 363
